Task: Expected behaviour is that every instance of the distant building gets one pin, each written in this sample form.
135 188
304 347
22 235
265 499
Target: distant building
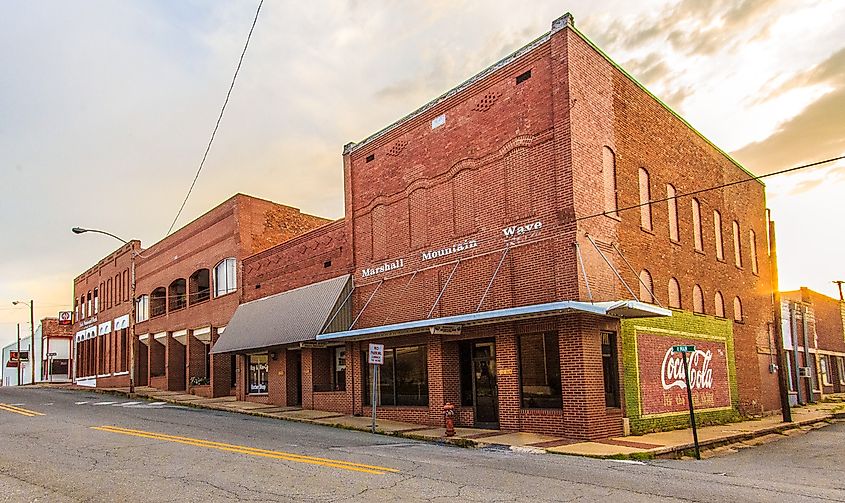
813 333
56 347
187 287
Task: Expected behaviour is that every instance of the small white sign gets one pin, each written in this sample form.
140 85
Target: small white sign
438 121
376 354
446 330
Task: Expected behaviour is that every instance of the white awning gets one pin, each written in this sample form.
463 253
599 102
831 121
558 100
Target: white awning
613 309
104 328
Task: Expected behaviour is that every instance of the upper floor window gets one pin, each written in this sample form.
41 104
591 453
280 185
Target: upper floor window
697 299
96 301
225 277
672 202
158 302
177 295
199 287
737 245
752 242
674 293
696 225
646 287
608 172
719 303
737 309
717 227
645 199
142 308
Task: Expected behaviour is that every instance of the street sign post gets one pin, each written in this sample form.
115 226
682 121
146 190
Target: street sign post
684 350
375 357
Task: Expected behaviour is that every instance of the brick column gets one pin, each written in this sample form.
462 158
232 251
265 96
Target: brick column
194 358
507 379
436 384
156 357
307 379
174 363
221 371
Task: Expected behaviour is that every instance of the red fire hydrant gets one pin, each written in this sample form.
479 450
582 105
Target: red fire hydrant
449 417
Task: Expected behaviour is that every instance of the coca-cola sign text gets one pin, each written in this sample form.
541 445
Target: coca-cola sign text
661 374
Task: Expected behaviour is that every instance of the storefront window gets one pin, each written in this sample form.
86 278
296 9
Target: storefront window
840 364
403 378
823 370
339 369
257 374
539 370
610 369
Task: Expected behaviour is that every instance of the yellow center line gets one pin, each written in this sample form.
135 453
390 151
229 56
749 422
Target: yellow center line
19 410
252 451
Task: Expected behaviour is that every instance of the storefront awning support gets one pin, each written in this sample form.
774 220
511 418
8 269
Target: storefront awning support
648 288
443 290
606 261
401 297
339 309
366 304
490 284
583 270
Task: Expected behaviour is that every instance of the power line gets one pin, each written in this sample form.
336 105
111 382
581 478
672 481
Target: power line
219 118
699 191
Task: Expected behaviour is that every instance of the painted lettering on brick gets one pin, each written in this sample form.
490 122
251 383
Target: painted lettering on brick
672 370
387 266
515 231
449 250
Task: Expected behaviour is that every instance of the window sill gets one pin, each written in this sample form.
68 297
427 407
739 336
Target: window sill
192 304
257 394
722 260
647 231
700 252
124 373
675 242
329 391
219 296
613 216
545 411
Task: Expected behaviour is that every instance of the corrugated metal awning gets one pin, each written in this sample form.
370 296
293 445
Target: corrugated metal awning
294 316
613 309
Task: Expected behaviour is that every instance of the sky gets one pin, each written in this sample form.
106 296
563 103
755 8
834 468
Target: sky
106 108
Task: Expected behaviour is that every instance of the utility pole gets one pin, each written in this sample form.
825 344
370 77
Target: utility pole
839 283
32 338
783 385
19 354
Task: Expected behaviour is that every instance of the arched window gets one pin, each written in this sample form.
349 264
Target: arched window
752 238
717 227
737 245
646 287
177 295
696 225
158 302
645 198
673 212
737 309
225 277
608 173
697 299
199 287
142 308
674 293
719 301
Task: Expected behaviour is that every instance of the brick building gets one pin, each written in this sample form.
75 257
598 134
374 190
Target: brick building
56 350
187 287
486 243
813 333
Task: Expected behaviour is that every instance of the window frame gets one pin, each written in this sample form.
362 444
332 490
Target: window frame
719 238
646 287
250 375
677 289
752 242
550 370
390 356
698 296
646 218
697 229
218 291
719 301
737 235
672 208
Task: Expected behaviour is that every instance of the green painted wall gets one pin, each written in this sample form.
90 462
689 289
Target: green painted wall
682 324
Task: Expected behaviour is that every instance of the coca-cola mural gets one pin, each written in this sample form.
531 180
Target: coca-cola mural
661 374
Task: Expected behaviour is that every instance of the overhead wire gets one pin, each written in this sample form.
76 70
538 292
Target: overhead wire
219 118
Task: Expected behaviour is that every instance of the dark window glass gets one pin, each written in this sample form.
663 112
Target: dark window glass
539 370
124 349
257 374
339 369
611 375
403 378
465 365
233 370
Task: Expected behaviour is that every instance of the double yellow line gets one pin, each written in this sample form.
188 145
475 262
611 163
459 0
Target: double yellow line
19 410
252 451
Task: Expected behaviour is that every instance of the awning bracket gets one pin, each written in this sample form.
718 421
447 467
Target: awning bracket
495 273
650 289
443 290
583 270
618 276
366 304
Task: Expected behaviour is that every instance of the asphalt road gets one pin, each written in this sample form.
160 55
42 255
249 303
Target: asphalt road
94 447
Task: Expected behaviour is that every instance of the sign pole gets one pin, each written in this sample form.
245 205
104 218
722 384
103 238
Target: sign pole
19 354
373 396
691 408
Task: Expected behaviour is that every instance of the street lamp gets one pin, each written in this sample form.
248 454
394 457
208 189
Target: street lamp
32 335
81 230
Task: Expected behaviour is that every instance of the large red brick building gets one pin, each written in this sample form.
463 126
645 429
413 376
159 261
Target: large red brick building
187 287
524 248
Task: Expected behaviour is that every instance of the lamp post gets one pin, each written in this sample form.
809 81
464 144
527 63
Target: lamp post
80 230
32 336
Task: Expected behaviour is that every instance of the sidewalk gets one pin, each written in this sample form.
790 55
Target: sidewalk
663 444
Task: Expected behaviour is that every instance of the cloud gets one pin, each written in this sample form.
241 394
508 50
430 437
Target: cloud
816 133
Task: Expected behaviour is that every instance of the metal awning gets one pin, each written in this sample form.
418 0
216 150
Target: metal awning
294 316
613 309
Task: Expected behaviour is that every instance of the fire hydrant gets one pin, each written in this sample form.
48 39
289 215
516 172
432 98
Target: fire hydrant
449 417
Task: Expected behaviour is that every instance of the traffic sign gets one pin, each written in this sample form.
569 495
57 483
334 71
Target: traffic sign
376 354
683 349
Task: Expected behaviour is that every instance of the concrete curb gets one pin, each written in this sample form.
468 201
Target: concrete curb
667 452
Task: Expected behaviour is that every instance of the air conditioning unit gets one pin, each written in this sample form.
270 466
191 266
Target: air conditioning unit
803 371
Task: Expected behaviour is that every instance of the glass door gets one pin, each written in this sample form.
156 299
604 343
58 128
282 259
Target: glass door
485 388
